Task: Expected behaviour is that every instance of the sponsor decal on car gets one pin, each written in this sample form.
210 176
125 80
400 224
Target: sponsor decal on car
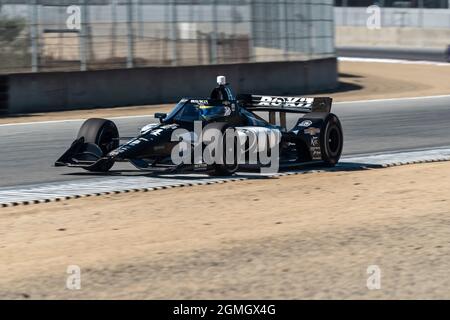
305 123
315 141
156 132
170 126
200 102
156 148
148 127
292 102
312 131
316 153
200 166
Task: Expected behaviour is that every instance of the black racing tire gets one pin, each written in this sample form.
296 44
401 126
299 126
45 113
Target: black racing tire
331 140
105 135
224 170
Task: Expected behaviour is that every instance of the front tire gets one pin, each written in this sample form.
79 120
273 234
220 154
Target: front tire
105 135
225 169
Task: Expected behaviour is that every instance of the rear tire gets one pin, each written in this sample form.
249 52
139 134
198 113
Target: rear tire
105 135
331 140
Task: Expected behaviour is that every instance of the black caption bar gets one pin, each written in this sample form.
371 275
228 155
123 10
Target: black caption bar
222 309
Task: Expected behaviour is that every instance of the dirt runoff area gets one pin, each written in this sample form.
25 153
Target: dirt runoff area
309 236
358 81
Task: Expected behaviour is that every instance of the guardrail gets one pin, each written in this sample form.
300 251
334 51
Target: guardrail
58 91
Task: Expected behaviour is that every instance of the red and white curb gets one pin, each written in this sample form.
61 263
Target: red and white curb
54 192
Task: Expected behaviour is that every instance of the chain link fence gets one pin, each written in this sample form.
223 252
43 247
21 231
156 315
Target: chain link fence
46 35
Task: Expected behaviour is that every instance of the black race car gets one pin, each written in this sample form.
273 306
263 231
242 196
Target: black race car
315 135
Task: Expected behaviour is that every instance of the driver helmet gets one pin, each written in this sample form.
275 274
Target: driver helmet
223 92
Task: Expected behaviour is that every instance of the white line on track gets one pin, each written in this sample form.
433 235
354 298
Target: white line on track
71 120
152 117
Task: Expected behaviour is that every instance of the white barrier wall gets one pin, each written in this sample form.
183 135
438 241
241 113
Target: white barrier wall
395 17
400 27
57 91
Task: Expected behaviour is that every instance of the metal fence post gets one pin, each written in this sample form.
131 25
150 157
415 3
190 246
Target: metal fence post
130 34
251 42
83 37
345 12
333 28
420 5
309 22
113 27
33 12
174 32
283 13
140 18
214 33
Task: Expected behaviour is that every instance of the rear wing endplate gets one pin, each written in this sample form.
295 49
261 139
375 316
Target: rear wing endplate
285 104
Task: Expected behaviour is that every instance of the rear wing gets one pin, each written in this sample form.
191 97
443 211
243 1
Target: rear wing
285 104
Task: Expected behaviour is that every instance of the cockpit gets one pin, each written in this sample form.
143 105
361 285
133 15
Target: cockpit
192 111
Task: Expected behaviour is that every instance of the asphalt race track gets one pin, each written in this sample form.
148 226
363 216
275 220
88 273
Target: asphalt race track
28 151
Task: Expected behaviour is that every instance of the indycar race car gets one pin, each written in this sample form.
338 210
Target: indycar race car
314 135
